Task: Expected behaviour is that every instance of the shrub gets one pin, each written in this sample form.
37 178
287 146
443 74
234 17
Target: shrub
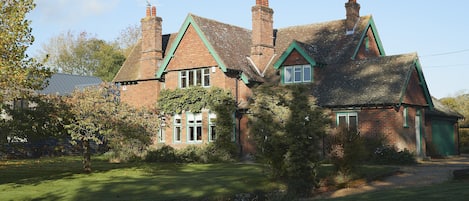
165 153
347 150
389 155
190 154
464 140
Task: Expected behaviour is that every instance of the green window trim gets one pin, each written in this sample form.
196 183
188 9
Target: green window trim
297 74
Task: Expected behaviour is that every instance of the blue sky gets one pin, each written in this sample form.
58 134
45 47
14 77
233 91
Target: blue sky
437 30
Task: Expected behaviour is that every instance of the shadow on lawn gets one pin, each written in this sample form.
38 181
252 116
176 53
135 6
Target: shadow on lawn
37 170
175 182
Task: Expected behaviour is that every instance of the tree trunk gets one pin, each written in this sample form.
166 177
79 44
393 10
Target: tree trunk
86 156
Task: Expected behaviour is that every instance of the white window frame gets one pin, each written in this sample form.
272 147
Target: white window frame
212 136
296 74
405 116
194 125
194 77
161 130
347 116
177 128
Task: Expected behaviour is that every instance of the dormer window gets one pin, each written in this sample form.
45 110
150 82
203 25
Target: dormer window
194 77
297 74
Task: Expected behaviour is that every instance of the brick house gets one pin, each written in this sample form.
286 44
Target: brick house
344 59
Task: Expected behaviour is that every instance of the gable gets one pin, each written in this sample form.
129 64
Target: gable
228 45
370 43
414 93
295 54
416 89
191 53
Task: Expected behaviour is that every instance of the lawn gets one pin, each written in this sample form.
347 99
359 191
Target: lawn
61 179
452 191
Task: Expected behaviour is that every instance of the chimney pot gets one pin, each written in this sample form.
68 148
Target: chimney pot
148 11
262 3
153 11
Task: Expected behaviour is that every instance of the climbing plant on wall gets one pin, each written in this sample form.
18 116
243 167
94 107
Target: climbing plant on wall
195 99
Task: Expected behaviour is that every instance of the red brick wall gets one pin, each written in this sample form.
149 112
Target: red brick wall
415 93
372 50
375 122
143 94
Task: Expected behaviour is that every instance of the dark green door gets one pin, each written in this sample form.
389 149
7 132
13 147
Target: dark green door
443 137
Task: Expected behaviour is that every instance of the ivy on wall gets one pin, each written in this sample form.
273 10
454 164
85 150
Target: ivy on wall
195 99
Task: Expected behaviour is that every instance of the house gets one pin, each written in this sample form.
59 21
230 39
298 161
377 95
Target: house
364 88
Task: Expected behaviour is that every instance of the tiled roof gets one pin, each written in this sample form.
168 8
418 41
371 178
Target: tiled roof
231 43
130 69
326 42
366 82
443 111
65 84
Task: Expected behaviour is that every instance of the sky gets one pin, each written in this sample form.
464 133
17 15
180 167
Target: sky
437 30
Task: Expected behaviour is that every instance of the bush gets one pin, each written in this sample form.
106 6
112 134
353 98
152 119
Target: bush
190 154
165 154
347 150
389 155
464 140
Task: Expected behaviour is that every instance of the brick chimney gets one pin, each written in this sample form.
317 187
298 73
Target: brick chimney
353 15
152 48
262 49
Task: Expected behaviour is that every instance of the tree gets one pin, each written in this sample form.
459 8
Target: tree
459 103
98 117
83 54
288 128
19 74
128 38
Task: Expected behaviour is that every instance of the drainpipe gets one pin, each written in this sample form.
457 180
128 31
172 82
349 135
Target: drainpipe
238 114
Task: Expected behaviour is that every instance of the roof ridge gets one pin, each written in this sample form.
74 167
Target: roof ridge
217 21
320 23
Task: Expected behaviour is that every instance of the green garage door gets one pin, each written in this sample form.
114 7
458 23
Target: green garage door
443 137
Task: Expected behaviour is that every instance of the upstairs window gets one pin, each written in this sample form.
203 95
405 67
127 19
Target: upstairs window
194 77
297 74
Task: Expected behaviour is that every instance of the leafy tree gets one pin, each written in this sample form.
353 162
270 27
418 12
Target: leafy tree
459 103
128 38
19 74
98 117
288 127
83 55
39 117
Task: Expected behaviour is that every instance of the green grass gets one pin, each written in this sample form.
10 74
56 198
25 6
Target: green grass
61 179
452 191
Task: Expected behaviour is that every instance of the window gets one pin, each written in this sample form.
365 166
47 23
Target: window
161 135
348 121
194 77
405 115
177 128
297 74
212 136
194 127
